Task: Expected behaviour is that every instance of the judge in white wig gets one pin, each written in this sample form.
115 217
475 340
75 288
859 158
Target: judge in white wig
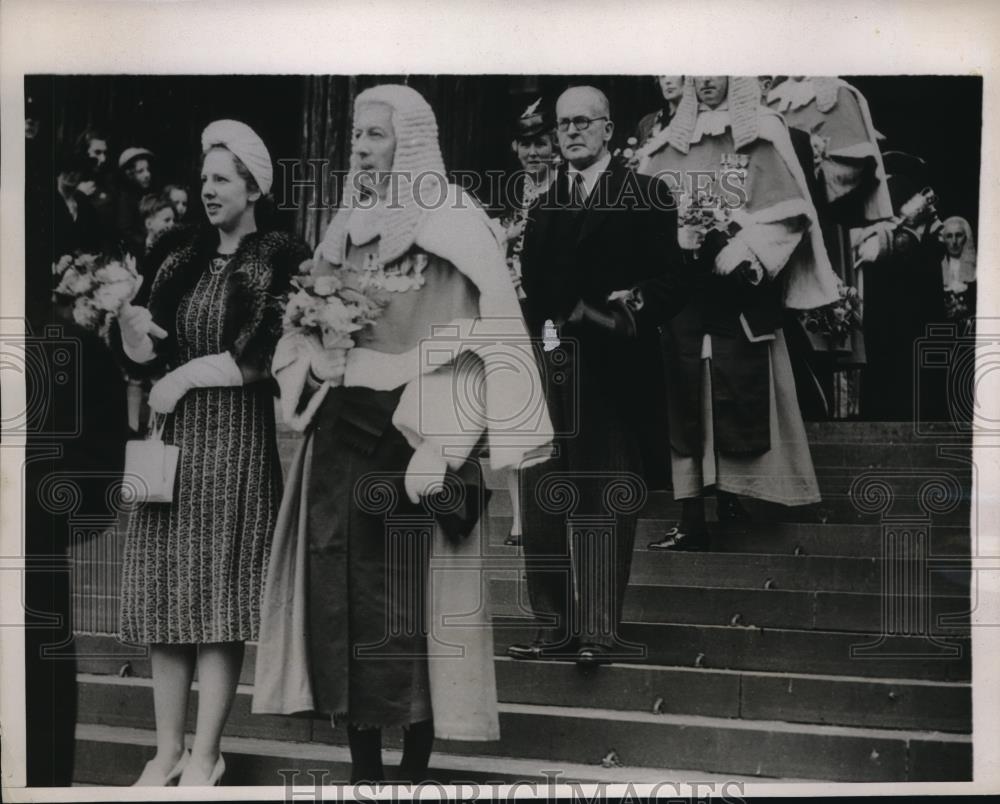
958 268
735 424
193 568
392 429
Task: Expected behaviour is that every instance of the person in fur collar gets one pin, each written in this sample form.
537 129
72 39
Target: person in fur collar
193 568
392 421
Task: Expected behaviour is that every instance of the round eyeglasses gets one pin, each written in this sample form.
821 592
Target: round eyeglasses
579 123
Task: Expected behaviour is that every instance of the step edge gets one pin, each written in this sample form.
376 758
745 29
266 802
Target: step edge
704 721
291 749
887 681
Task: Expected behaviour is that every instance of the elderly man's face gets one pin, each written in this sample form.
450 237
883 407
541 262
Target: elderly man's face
712 89
374 139
954 239
672 86
583 148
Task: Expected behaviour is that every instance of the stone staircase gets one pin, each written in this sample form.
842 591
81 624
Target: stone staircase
829 642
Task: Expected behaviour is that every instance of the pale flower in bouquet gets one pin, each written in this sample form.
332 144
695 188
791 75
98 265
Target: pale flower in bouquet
697 215
829 327
59 268
87 314
325 308
97 286
74 283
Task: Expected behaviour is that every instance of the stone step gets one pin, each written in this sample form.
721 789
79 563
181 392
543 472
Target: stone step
753 648
584 736
114 755
790 697
772 572
771 608
776 650
798 698
787 538
698 605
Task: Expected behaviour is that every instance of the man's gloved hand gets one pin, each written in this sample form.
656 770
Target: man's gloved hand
210 371
738 261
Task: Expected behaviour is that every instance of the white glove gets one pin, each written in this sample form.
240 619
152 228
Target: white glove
876 243
211 371
425 473
735 253
137 325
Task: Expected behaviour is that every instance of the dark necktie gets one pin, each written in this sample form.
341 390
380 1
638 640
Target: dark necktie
577 192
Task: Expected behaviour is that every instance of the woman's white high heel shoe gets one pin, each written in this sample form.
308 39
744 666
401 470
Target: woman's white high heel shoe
188 780
150 778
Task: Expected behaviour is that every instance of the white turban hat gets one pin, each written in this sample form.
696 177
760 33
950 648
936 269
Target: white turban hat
245 145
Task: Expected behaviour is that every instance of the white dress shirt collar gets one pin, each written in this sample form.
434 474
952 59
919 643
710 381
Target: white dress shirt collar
589 174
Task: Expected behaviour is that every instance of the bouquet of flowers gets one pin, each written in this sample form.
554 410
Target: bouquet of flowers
834 323
633 153
697 215
629 153
956 307
324 306
97 286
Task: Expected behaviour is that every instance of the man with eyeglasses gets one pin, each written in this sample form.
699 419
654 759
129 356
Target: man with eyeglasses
601 262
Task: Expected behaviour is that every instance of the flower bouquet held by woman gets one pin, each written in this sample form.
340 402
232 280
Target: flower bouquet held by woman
97 287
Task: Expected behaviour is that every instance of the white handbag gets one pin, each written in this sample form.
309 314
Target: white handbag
151 466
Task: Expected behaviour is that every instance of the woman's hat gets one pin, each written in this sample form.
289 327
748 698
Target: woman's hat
246 144
133 153
533 121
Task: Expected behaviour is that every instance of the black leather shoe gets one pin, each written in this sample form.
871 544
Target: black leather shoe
679 540
540 649
513 540
593 656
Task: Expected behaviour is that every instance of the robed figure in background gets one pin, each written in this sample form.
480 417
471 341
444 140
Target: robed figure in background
735 423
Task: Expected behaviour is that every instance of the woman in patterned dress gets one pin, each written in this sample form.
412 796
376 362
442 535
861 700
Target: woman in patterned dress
194 568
